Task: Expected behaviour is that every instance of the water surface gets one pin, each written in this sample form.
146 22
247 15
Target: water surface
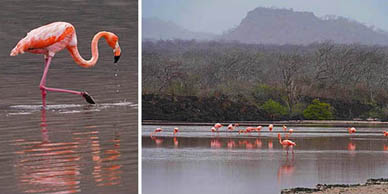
198 161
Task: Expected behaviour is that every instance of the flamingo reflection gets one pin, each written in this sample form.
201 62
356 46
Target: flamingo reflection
176 142
45 166
287 169
351 146
231 144
54 167
215 143
258 143
158 141
270 144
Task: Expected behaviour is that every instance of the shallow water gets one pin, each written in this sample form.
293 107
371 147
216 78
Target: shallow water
71 147
198 161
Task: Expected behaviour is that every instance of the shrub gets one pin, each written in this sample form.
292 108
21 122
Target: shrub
274 109
318 111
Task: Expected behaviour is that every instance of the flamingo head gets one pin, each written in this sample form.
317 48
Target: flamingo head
113 41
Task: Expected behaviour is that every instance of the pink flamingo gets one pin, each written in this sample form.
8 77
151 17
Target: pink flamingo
385 133
258 128
231 127
286 143
52 38
213 129
351 130
176 130
157 130
284 128
270 127
217 126
250 129
290 131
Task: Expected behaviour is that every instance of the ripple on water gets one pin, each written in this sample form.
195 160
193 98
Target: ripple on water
67 108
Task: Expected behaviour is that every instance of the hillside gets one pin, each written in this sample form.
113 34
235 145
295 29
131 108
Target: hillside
156 29
284 26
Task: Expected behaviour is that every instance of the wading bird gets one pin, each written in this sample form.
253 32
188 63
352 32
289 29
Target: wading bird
217 126
52 38
286 143
270 127
385 133
176 130
213 129
157 130
230 127
351 130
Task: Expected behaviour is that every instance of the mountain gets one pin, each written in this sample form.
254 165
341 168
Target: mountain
156 29
285 26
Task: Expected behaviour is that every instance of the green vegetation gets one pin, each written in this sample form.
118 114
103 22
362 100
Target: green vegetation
274 109
318 111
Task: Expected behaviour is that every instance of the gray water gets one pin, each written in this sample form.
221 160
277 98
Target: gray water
71 147
198 161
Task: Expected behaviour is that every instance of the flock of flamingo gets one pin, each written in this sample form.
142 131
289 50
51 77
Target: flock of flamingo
286 143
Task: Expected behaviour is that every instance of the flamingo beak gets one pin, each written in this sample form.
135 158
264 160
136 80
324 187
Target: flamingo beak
116 59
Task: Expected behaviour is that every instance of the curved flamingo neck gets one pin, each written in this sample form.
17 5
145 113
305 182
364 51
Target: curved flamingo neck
280 139
94 46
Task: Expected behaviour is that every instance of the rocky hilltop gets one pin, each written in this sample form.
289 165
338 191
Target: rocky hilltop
285 26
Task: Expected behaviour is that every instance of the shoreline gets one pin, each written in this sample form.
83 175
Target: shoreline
295 123
371 186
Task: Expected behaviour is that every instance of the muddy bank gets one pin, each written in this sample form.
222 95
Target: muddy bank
371 186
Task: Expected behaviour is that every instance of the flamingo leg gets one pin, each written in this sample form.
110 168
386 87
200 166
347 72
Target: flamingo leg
44 89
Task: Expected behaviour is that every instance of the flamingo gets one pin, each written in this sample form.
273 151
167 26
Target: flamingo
176 130
250 129
230 127
52 38
217 126
286 143
290 131
258 128
284 128
385 133
270 127
213 129
157 130
351 130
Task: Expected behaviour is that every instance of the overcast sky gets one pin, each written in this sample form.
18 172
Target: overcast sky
217 16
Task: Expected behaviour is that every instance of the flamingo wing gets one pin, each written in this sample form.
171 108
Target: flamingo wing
44 36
